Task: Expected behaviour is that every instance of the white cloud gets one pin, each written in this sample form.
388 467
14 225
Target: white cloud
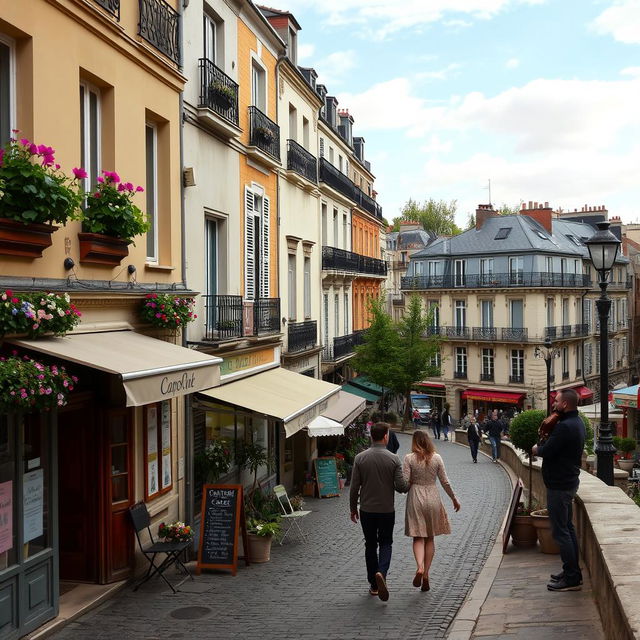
440 74
305 51
335 67
435 145
512 63
622 21
631 71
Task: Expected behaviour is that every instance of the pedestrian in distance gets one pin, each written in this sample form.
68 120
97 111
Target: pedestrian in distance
416 418
435 424
561 456
425 515
446 421
473 437
376 476
394 444
493 428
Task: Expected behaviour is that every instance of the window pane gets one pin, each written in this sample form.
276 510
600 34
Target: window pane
212 257
150 142
35 482
8 501
119 459
83 138
94 139
5 93
119 488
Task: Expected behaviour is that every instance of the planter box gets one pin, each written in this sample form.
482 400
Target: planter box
96 248
221 99
543 526
259 548
523 533
24 240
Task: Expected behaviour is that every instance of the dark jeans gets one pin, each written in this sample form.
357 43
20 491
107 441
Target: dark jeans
473 445
560 506
378 532
436 430
495 447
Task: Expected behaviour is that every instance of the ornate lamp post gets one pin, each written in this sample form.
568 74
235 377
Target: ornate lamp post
603 249
547 353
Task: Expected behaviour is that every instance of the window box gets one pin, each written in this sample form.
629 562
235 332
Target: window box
24 240
96 248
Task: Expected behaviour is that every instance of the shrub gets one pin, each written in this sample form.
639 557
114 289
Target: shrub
588 430
167 311
524 429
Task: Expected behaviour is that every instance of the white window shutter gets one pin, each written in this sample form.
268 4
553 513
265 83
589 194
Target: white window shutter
249 246
266 248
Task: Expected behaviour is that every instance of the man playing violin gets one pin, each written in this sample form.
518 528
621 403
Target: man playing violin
561 454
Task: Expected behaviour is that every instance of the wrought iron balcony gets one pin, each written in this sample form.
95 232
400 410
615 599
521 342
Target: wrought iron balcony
565 375
160 26
578 373
566 331
456 332
341 260
112 6
460 375
396 298
513 334
266 316
222 317
264 133
302 336
495 280
368 203
485 333
337 180
518 379
301 161
218 91
486 377
342 346
580 330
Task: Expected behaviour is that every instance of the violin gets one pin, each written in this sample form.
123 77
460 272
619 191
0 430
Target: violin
547 426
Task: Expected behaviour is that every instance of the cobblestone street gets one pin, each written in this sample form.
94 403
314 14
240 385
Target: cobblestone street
318 589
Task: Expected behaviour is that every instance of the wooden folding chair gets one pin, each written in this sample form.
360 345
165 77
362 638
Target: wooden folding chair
141 520
288 513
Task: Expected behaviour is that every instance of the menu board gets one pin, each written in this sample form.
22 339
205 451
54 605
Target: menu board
166 443
153 484
327 477
32 504
222 521
511 514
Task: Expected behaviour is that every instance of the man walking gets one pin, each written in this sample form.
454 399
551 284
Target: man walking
435 424
561 456
446 422
473 437
493 427
377 474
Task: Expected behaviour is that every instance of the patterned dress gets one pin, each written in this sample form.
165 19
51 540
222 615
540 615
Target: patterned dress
425 515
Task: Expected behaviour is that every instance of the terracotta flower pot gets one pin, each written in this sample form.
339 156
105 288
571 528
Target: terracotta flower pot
24 240
523 533
542 523
96 248
259 548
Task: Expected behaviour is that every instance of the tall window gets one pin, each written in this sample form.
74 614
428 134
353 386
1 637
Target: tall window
612 354
623 351
258 86
307 288
336 241
432 268
324 224
325 318
516 312
7 89
460 314
151 154
305 133
517 365
516 270
293 123
90 133
588 359
549 264
487 364
336 314
211 256
461 362
587 314
257 245
565 362
565 311
213 33
345 235
434 313
487 314
292 286
551 312
486 269
459 272
346 314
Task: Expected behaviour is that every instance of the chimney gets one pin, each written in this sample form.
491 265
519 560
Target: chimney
330 109
541 213
345 126
483 212
358 145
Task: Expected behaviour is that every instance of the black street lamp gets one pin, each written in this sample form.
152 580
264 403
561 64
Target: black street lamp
603 249
547 353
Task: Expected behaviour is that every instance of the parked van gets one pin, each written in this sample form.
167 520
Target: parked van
422 403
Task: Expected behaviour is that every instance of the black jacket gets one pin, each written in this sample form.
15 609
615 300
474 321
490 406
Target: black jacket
471 432
393 445
494 428
562 453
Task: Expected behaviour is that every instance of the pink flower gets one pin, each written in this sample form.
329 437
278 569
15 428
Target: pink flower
79 173
96 194
57 166
121 187
100 179
24 142
33 149
47 160
139 189
128 186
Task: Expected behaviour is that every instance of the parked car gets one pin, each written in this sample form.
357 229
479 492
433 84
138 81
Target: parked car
422 403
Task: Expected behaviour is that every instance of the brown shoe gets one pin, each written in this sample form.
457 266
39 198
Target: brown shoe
425 583
383 592
417 580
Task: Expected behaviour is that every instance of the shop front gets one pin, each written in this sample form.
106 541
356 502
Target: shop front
482 401
68 478
585 395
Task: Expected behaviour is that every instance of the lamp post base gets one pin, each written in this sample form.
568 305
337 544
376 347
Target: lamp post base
604 469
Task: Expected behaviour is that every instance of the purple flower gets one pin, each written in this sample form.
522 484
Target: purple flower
80 173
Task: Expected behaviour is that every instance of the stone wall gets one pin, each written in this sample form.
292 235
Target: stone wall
608 526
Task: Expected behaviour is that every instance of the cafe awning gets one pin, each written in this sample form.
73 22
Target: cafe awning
627 397
489 395
362 382
361 393
584 393
344 408
321 426
150 369
284 395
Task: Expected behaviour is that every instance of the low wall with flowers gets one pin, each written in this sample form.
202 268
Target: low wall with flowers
608 527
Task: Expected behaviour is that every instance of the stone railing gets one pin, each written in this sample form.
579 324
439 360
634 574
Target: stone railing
608 527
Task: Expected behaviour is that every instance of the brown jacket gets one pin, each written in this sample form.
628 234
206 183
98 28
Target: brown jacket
377 474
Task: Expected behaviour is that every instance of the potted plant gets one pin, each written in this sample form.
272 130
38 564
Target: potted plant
264 134
625 446
34 196
542 524
523 533
214 461
110 221
222 95
263 523
166 311
175 532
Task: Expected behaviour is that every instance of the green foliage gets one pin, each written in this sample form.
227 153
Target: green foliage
625 445
436 216
263 513
33 188
508 210
111 210
167 311
523 429
263 529
214 461
588 430
226 92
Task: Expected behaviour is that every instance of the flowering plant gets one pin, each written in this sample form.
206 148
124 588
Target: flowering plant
214 461
175 532
37 313
33 188
111 211
262 528
297 502
27 385
164 310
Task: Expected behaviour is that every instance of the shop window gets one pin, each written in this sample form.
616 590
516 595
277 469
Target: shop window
8 503
157 447
119 451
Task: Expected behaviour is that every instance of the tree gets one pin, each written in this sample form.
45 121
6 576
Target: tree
508 210
435 216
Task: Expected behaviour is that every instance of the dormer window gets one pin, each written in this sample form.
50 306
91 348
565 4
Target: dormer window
292 46
503 233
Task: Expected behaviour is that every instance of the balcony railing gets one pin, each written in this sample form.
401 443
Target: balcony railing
301 161
565 375
519 379
496 280
266 316
342 346
460 375
368 203
160 26
341 260
486 377
456 332
301 336
513 334
112 6
218 91
493 334
396 298
337 180
485 333
223 317
264 133
578 373
567 331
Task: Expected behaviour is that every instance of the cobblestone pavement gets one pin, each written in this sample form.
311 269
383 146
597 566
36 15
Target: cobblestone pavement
318 589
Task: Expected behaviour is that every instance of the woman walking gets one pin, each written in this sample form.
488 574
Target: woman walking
425 516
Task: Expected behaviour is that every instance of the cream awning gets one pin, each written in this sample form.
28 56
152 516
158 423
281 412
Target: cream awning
291 397
321 426
344 408
150 369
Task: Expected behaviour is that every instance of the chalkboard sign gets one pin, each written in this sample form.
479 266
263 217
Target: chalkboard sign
511 514
222 521
327 477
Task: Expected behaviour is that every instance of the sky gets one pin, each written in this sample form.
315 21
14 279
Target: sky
539 97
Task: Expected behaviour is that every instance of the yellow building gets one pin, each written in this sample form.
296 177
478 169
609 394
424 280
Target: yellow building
100 83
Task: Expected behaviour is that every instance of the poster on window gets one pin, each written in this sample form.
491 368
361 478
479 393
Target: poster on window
6 516
33 504
152 450
166 444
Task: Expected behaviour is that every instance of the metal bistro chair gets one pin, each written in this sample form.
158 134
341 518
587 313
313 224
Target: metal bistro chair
141 520
288 513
